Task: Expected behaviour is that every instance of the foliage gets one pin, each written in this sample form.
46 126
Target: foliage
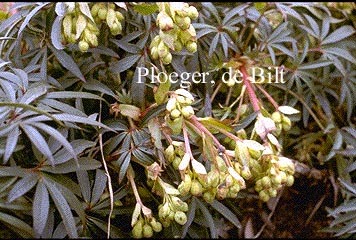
96 142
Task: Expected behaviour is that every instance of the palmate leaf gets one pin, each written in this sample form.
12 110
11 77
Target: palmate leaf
40 208
63 208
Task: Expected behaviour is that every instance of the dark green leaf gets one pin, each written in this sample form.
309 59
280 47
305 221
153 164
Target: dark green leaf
22 186
226 212
63 208
99 186
19 226
68 62
40 208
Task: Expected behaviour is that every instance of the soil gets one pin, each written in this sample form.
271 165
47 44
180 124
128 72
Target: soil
293 216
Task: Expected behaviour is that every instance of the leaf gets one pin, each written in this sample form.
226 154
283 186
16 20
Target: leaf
315 64
209 219
339 34
99 186
212 122
154 128
30 15
22 186
56 33
79 145
40 209
19 226
123 161
190 217
56 135
226 212
60 9
95 85
145 8
63 208
38 141
249 233
84 184
11 143
73 94
130 111
71 166
288 110
68 62
124 63
138 86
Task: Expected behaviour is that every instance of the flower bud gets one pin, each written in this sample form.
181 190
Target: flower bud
177 45
180 217
162 49
102 12
277 179
283 176
156 226
137 230
290 180
110 17
169 153
155 41
147 231
154 53
167 59
196 189
67 26
231 82
191 46
263 196
175 113
193 12
272 192
276 117
176 162
83 46
222 193
212 178
258 185
286 123
246 173
266 182
209 196
165 22
119 16
187 111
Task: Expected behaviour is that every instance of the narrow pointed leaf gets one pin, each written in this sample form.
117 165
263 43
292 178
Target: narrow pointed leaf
40 208
99 186
38 141
11 143
22 186
63 208
68 62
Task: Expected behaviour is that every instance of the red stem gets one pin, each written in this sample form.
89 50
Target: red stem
250 91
